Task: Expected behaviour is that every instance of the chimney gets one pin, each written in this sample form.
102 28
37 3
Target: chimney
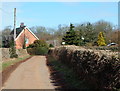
22 25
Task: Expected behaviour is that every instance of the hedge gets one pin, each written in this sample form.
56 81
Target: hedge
100 72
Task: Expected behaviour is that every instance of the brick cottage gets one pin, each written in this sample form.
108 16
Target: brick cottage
24 35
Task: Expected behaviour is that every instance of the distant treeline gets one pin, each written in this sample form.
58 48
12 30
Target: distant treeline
87 30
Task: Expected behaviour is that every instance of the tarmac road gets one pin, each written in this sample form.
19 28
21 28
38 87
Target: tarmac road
32 74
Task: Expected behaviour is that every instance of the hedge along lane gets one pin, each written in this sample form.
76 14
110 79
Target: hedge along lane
100 72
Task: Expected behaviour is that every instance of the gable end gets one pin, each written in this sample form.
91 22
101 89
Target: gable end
29 31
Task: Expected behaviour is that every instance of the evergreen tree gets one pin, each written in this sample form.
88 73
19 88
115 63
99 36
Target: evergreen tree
70 37
89 33
12 50
79 38
101 39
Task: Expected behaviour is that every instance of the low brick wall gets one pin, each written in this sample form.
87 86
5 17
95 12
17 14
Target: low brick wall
21 52
4 53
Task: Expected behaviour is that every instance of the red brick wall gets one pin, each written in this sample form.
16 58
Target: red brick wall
20 39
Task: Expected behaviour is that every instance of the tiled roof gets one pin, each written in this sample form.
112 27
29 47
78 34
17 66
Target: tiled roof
18 31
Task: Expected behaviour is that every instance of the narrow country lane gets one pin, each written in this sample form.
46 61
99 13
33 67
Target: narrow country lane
32 74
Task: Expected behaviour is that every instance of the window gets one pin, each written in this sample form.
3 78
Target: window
26 40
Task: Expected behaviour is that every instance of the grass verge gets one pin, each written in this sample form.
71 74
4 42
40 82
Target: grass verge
10 66
12 62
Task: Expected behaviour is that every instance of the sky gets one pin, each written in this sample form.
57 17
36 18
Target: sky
51 14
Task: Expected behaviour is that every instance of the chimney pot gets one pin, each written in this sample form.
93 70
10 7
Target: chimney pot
22 24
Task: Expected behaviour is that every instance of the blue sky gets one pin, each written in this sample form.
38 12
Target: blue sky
51 14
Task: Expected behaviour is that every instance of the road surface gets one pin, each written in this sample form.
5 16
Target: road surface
32 74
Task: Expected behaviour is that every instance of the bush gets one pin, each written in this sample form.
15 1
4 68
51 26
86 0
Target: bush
40 50
101 39
51 45
39 47
12 51
89 44
0 46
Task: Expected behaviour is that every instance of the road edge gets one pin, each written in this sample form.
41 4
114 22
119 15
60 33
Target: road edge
4 75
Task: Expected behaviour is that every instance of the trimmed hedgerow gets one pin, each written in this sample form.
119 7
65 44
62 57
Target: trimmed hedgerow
114 49
39 47
99 72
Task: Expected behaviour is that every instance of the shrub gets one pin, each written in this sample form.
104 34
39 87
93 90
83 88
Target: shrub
12 51
40 50
39 47
89 44
51 45
101 39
